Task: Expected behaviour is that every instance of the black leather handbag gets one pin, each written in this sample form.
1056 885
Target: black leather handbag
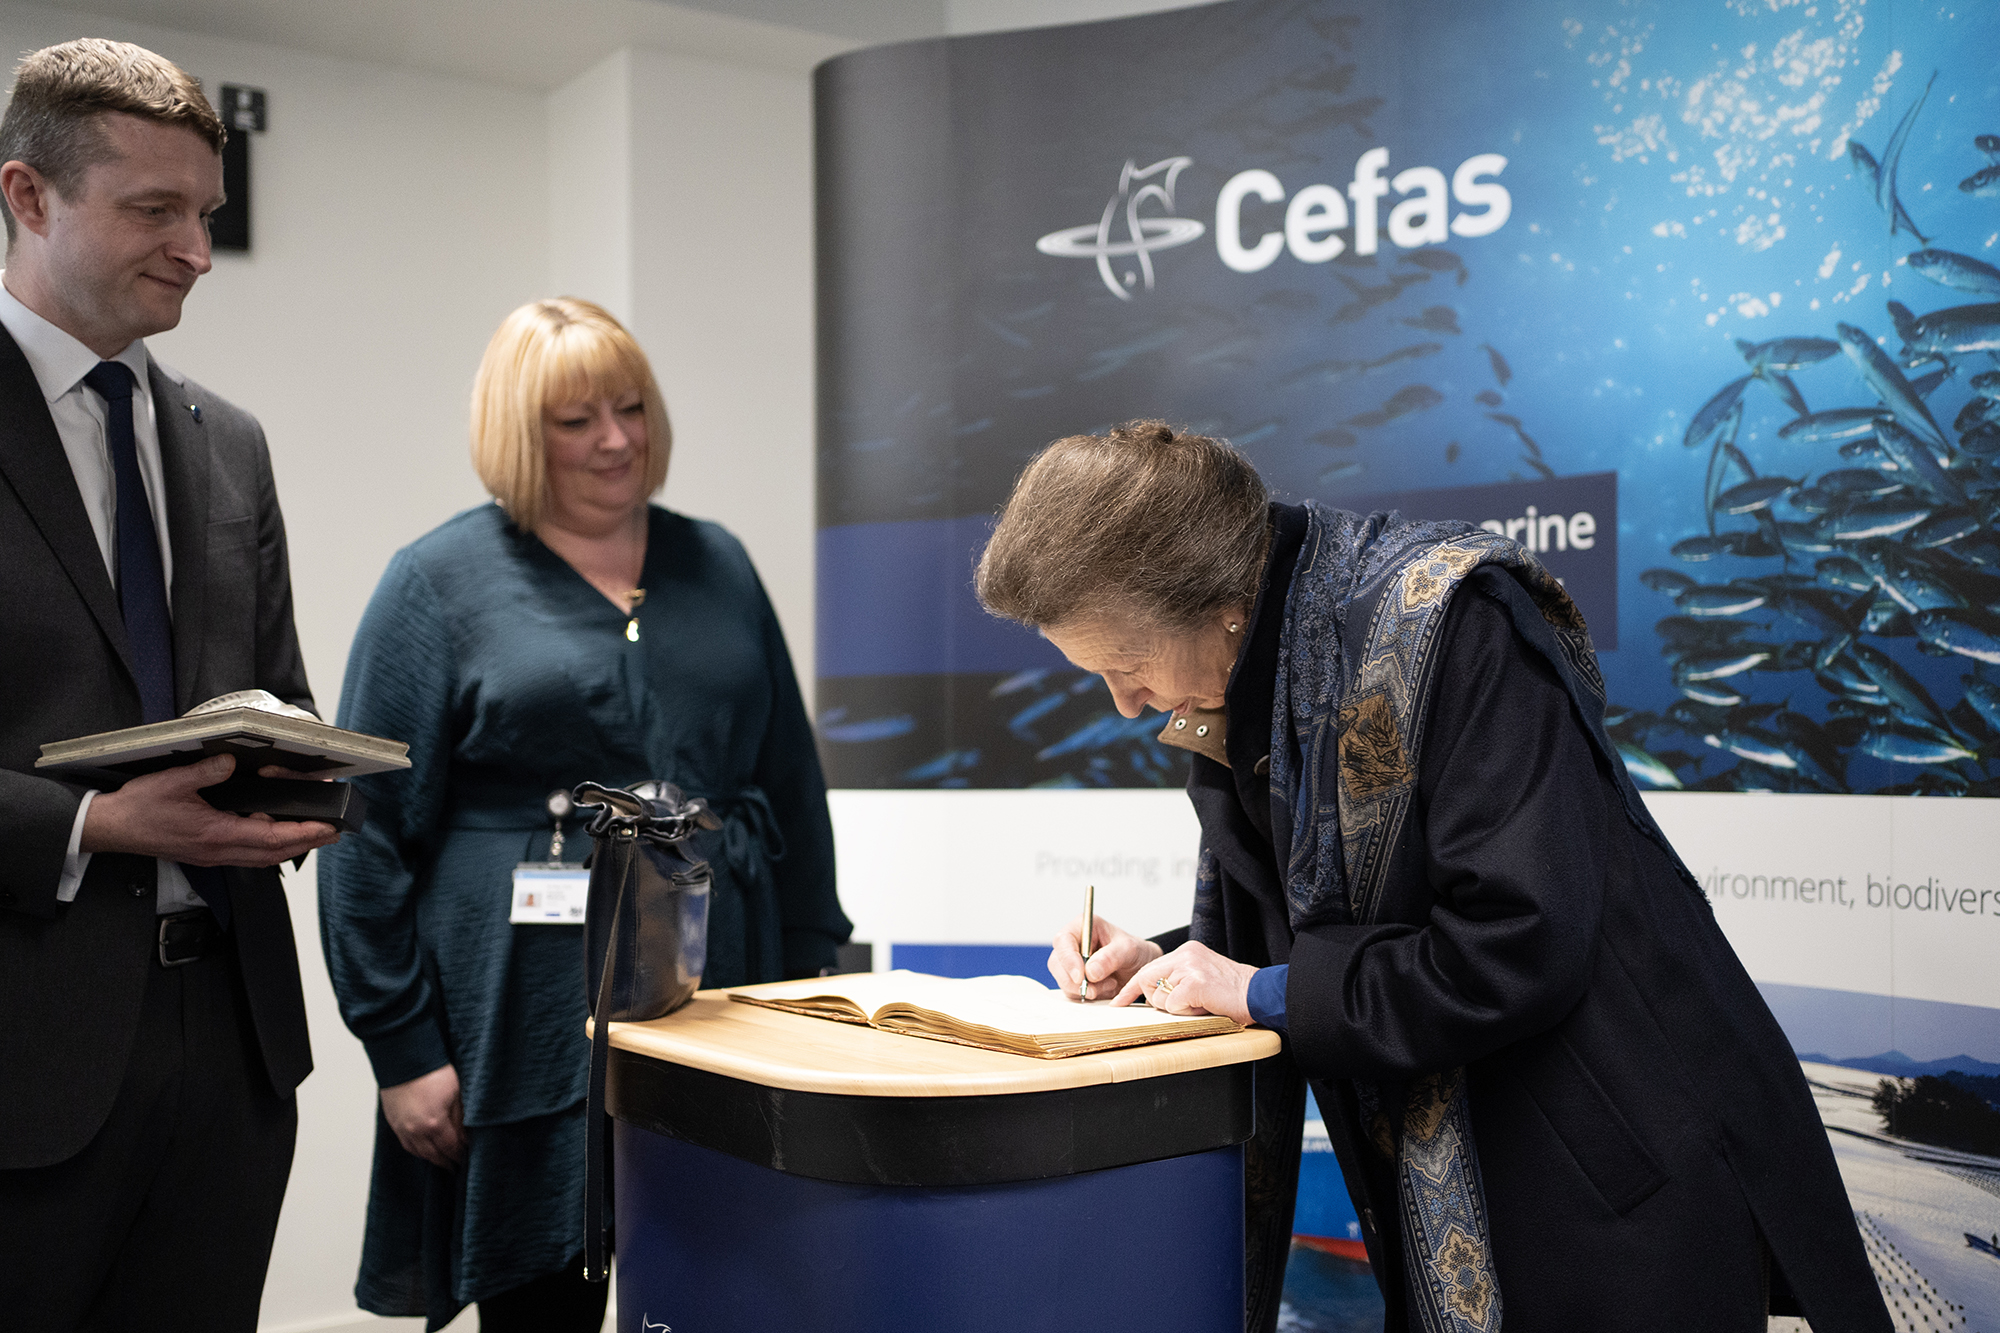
645 941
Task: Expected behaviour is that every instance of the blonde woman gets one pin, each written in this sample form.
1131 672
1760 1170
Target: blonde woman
569 631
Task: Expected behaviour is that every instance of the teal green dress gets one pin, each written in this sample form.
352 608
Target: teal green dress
510 677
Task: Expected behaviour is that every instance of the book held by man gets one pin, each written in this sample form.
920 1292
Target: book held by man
1006 1013
254 725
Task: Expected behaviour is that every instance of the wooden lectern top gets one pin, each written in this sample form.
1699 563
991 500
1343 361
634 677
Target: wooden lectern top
781 1050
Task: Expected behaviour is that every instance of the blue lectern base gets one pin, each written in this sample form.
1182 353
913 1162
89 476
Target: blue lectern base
709 1243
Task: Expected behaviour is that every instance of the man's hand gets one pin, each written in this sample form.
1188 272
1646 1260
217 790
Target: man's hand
162 814
428 1117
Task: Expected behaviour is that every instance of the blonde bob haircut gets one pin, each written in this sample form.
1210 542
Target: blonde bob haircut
547 353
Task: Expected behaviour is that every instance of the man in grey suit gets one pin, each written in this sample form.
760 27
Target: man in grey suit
152 1028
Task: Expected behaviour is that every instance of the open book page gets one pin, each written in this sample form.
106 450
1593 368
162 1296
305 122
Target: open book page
1009 1013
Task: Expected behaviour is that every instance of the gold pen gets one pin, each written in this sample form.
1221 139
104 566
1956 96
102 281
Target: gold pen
1089 929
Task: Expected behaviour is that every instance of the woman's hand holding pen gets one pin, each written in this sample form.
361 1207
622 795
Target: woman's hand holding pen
1115 958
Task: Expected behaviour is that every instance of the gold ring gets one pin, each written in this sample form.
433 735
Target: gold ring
1163 986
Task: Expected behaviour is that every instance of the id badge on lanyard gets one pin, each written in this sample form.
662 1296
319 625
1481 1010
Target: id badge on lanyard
551 892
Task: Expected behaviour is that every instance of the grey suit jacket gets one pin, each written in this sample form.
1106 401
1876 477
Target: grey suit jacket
72 974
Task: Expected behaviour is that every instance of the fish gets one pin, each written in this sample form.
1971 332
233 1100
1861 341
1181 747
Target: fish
1886 617
1707 548
1840 423
1646 770
1020 723
1948 268
1892 159
946 764
1984 698
1843 574
1984 183
1705 600
1907 745
1751 496
1952 331
1411 353
1858 483
1488 398
1408 399
1862 163
1942 529
1888 382
874 729
1977 412
1966 633
1988 144
1332 371
1923 386
1880 518
1715 410
1915 461
1709 692
1513 423
1501 370
1783 386
1986 381
1367 298
1111 360
1327 77
1336 438
1787 353
1803 538
1815 608
1259 430
1451 452
1668 581
1698 634
1106 729
1868 451
1981 441
1435 319
1437 261
1020 680
1897 685
1913 586
1719 666
1346 468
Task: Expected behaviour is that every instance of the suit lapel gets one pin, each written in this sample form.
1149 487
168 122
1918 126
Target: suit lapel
34 464
184 461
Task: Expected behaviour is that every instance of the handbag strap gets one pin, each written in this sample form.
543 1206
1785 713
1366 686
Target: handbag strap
624 843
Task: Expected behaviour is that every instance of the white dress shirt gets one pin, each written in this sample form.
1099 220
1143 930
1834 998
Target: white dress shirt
60 362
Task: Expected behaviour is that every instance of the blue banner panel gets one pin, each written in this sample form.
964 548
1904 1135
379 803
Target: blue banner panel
896 599
975 960
1749 261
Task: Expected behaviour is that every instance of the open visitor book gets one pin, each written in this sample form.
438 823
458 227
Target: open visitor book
1013 1014
254 725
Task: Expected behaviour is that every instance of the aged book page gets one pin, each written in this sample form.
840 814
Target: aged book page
1005 1013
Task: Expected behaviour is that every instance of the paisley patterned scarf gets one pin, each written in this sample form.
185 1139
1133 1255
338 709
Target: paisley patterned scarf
1357 654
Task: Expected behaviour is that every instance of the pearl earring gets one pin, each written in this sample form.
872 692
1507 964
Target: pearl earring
1232 627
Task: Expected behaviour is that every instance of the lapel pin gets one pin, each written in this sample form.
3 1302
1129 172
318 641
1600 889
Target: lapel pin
196 409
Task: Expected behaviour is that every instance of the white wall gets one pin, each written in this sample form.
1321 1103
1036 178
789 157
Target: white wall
398 214
681 200
397 217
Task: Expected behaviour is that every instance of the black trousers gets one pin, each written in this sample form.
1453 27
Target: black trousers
164 1220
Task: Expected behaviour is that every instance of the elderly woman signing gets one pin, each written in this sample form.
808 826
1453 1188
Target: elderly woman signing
1553 1089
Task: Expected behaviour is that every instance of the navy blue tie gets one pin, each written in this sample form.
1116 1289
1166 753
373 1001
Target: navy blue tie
142 583
142 580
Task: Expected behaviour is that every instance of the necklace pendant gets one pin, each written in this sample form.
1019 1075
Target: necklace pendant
632 630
